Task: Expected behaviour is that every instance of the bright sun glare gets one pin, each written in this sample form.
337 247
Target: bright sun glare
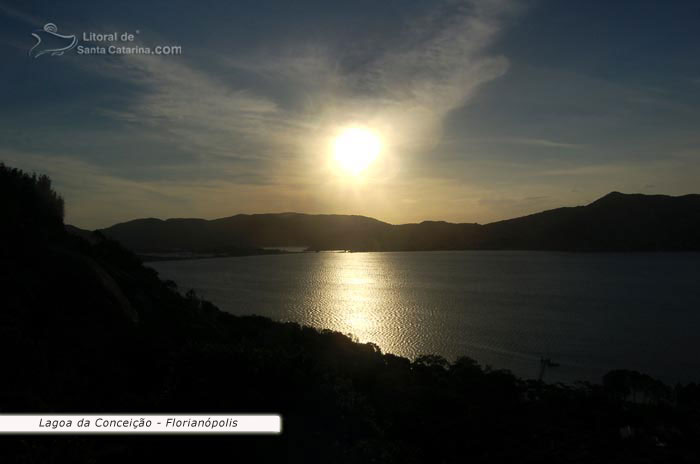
355 149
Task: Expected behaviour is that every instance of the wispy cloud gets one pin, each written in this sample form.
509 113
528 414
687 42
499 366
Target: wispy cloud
541 143
17 14
404 92
260 121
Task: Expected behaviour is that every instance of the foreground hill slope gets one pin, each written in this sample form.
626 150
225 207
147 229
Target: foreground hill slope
615 222
85 327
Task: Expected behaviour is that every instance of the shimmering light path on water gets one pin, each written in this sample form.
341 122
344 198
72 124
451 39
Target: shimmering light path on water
588 312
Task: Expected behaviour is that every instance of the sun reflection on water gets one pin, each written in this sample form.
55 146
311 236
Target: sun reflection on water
355 297
506 309
359 322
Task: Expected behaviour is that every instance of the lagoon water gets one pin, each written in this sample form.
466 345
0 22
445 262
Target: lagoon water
588 312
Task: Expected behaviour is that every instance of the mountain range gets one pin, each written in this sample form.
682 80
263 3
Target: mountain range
615 222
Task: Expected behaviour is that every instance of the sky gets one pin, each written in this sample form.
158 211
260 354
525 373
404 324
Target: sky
485 109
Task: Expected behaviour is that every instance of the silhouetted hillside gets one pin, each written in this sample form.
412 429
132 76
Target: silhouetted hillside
85 327
615 222
246 232
31 211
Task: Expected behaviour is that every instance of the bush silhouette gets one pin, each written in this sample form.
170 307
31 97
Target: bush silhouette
31 210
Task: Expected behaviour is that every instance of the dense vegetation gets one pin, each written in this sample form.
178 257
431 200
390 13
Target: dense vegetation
31 209
85 327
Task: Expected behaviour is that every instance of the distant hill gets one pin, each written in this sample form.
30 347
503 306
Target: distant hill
615 222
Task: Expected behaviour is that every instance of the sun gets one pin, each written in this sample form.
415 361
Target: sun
355 148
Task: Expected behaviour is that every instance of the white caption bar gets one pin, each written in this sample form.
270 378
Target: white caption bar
141 423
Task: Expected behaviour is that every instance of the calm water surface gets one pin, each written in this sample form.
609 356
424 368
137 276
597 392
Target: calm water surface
588 312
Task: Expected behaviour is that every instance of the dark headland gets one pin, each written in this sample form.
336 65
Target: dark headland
615 222
85 327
